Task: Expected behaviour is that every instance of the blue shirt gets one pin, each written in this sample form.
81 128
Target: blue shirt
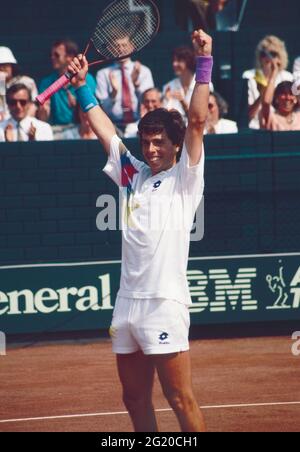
61 112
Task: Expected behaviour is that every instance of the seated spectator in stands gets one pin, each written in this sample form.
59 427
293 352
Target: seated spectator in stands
21 126
271 50
217 109
286 116
120 87
10 75
151 100
60 109
201 13
177 93
296 73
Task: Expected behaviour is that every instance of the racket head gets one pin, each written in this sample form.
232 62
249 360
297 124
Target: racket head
124 28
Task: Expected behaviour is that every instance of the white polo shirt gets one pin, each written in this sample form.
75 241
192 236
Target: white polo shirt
158 216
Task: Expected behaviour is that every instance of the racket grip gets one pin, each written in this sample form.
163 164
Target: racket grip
54 88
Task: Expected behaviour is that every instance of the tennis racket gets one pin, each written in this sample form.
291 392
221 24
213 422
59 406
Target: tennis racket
125 27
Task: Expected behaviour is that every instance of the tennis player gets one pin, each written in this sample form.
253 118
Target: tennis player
151 320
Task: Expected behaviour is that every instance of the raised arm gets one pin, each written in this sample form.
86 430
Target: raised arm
199 104
268 96
99 121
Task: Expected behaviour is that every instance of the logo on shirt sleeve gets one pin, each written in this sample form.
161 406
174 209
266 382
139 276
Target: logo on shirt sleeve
127 173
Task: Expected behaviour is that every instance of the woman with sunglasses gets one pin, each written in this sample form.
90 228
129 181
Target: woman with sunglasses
269 52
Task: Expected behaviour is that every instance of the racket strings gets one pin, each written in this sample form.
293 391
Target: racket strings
126 27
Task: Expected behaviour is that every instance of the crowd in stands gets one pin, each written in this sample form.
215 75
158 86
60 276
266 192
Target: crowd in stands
126 91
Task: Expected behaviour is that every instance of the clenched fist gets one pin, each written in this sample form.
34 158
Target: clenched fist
202 43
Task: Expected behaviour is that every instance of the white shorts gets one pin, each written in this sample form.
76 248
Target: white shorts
155 327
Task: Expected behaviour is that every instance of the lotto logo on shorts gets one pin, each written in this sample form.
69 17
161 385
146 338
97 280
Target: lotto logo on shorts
162 339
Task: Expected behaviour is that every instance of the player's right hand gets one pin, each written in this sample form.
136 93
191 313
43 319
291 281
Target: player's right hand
78 68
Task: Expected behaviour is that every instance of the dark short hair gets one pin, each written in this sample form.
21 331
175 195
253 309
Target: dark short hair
222 104
161 120
186 54
284 87
16 88
71 47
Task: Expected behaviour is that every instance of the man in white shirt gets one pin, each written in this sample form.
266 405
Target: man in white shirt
119 89
20 126
151 319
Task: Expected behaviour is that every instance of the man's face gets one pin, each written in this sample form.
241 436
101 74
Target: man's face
159 152
123 46
152 101
19 104
59 57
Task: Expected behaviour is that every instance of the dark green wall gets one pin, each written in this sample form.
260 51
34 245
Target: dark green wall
48 196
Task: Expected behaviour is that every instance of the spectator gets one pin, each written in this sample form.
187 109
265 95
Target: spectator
178 92
120 87
60 109
151 100
10 75
285 117
217 109
271 50
201 13
21 126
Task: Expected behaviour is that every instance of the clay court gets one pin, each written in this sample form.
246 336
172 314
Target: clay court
243 385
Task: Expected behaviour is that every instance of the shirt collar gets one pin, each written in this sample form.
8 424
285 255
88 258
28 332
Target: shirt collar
22 123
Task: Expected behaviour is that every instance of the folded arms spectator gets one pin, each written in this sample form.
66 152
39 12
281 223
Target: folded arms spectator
20 126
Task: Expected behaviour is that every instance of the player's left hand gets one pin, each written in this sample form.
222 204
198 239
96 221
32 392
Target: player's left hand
202 43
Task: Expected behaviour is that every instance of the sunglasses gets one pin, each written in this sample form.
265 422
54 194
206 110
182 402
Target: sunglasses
267 54
15 102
